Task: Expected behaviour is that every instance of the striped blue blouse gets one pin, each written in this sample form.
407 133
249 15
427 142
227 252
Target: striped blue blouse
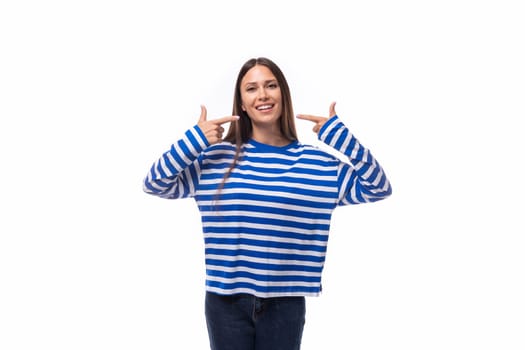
266 230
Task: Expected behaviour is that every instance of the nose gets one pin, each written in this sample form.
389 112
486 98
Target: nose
262 93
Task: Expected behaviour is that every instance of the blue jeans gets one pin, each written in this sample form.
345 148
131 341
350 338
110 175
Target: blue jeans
246 322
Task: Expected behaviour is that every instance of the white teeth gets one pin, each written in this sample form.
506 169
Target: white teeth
264 107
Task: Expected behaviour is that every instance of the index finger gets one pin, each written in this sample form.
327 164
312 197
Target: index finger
312 118
220 121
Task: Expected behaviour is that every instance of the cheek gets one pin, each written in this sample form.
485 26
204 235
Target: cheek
245 101
279 100
279 96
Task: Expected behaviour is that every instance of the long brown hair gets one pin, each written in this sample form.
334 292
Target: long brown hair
241 131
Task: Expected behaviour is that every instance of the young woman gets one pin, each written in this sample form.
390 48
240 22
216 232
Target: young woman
266 201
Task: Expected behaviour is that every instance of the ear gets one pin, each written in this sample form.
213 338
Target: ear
244 109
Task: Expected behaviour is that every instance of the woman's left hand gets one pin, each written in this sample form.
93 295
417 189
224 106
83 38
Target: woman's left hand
319 121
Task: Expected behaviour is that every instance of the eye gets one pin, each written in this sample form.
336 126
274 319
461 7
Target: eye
250 88
273 85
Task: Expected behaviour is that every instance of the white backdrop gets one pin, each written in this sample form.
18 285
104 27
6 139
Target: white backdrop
92 92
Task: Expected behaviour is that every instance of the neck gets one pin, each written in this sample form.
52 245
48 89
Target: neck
270 138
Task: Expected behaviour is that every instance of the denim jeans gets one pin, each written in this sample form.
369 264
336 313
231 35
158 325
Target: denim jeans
246 322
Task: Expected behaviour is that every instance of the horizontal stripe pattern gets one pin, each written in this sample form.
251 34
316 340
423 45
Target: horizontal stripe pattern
266 231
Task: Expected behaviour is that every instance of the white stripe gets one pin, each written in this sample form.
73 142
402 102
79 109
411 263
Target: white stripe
221 152
165 169
155 170
155 185
190 181
266 193
198 137
276 165
327 189
252 214
173 162
190 146
219 161
264 260
182 155
323 136
344 184
353 194
261 283
263 249
353 153
369 172
264 272
260 294
336 137
324 176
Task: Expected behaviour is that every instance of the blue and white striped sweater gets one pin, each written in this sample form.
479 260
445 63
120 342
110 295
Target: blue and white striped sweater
266 232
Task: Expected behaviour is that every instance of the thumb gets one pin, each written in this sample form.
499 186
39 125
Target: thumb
202 118
332 109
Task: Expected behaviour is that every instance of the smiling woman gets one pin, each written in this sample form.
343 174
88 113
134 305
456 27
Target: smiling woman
261 100
92 92
266 202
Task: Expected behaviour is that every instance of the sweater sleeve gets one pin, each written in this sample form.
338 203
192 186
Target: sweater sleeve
175 174
363 179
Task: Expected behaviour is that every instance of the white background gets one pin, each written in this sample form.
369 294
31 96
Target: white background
92 92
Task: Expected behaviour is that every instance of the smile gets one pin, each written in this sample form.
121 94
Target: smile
264 107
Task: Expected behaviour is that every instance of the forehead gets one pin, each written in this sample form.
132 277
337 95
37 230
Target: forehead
257 74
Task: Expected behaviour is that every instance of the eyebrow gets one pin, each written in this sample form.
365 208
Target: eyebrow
265 82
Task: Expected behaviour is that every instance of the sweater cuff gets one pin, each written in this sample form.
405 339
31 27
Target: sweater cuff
327 130
197 139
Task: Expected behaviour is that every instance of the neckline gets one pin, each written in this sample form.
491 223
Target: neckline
261 145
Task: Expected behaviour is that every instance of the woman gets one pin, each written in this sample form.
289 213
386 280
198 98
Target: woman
266 201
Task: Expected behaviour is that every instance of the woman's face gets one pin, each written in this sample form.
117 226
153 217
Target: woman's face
261 96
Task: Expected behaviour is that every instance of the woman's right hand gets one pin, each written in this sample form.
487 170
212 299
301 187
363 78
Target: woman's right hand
317 120
213 129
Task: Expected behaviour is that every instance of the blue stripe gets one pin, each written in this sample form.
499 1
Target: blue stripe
264 221
184 148
263 266
274 169
268 244
265 232
202 136
331 134
265 255
351 146
177 157
312 214
328 124
217 166
302 180
160 170
263 277
194 142
220 156
341 139
269 289
272 188
169 165
150 187
268 199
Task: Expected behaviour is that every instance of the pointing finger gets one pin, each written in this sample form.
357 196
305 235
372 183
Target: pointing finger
220 121
311 118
